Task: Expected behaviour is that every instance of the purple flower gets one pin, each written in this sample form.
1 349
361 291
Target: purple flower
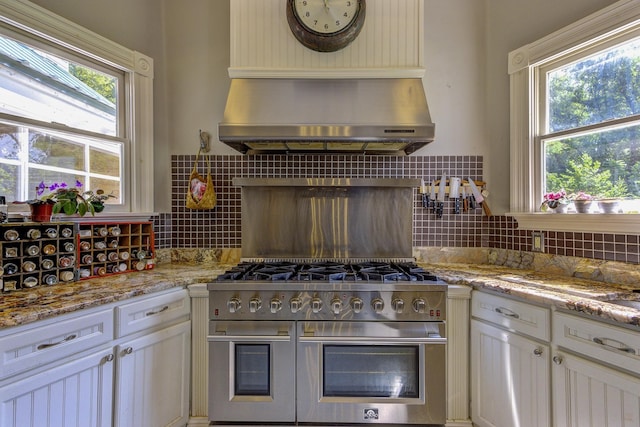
40 188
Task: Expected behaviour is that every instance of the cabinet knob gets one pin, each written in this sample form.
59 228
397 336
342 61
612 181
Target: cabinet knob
537 352
558 360
128 350
107 358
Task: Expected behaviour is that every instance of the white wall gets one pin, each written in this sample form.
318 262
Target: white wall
466 46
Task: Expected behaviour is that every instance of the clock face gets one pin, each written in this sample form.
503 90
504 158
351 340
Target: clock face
326 25
326 16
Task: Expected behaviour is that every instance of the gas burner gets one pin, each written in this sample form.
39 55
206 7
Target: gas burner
272 272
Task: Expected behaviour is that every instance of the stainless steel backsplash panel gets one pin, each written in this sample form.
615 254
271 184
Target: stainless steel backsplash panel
327 218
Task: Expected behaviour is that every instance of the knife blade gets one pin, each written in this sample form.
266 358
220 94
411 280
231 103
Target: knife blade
423 191
476 193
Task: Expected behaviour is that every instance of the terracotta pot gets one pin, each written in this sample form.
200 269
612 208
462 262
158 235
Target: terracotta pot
41 212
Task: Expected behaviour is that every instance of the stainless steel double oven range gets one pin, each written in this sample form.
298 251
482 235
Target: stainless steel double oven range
328 321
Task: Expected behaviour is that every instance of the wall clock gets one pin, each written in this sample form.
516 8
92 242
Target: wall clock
326 25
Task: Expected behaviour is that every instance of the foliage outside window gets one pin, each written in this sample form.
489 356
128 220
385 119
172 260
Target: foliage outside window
590 128
574 122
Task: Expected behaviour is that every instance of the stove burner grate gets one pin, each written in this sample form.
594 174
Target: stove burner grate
283 271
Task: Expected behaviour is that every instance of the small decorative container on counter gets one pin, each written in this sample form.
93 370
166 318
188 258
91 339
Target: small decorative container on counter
106 248
33 254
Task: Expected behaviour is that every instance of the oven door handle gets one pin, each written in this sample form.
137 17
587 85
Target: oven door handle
373 340
249 338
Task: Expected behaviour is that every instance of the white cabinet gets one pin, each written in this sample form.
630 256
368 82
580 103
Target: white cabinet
153 379
73 394
152 361
65 371
58 373
590 394
510 373
597 379
592 377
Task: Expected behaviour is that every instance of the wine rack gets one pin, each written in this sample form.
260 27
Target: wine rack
107 248
36 254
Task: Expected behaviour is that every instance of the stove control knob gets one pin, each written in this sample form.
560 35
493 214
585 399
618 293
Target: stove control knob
377 304
357 304
398 305
275 305
336 306
419 305
255 304
234 305
295 304
316 305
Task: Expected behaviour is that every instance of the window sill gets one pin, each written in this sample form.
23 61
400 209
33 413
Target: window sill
106 217
591 223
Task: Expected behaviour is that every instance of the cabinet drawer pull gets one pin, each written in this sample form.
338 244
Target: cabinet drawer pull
151 313
53 344
507 312
558 360
614 344
127 350
537 352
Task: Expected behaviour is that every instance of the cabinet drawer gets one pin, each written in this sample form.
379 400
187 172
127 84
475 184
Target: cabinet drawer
519 316
31 346
601 341
150 312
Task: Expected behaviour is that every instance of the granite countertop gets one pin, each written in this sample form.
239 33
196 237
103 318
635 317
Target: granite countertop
25 306
582 295
585 296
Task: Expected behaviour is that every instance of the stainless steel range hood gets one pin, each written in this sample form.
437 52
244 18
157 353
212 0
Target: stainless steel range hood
385 115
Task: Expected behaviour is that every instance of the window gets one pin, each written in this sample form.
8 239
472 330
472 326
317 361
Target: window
589 123
575 119
74 108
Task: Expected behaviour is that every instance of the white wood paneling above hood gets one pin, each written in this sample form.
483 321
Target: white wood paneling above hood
389 45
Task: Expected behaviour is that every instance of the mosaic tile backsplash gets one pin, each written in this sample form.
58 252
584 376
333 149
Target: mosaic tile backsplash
220 228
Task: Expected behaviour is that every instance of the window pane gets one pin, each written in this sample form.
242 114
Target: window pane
9 145
110 187
9 182
605 163
599 88
105 162
52 89
50 150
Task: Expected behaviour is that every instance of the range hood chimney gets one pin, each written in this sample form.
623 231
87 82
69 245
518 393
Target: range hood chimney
367 115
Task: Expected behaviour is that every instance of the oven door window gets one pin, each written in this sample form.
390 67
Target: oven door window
252 365
371 371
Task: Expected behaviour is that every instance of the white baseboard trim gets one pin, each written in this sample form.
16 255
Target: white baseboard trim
459 423
198 422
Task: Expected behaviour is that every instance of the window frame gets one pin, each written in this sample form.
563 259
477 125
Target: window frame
29 19
525 64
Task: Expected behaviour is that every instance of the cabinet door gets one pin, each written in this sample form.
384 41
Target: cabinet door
152 382
589 394
510 379
74 394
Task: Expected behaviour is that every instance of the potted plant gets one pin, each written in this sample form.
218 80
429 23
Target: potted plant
609 204
62 198
97 199
556 201
581 201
